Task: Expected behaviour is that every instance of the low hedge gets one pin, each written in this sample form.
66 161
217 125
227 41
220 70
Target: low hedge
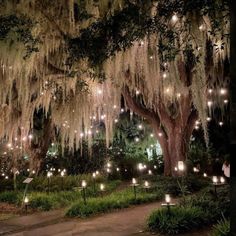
194 212
45 202
108 203
180 219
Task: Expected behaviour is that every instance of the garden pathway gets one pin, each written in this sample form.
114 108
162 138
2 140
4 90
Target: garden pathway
126 222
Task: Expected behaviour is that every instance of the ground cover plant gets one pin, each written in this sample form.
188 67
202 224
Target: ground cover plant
193 212
119 200
46 201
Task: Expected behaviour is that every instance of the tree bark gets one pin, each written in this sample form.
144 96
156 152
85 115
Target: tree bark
172 134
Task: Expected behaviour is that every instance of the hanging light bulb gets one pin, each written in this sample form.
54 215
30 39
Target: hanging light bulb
174 18
209 103
223 91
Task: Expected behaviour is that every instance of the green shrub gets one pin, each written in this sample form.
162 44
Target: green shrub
178 221
108 203
41 201
11 197
222 228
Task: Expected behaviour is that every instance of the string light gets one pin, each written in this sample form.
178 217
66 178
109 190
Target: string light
209 103
160 134
221 123
136 139
208 118
178 95
122 110
210 91
116 120
174 18
164 75
222 91
137 92
226 101
140 126
201 27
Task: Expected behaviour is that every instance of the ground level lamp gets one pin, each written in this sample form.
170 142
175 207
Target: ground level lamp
84 185
94 182
62 176
217 182
168 203
134 185
146 185
49 174
26 203
102 188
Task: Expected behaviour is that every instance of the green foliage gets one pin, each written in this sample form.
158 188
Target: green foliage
222 228
192 213
11 197
108 203
180 219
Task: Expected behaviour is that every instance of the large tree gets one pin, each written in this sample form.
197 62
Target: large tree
75 60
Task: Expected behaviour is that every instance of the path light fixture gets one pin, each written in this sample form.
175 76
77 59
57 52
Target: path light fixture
49 174
168 203
62 175
26 203
84 185
134 185
94 182
146 185
102 188
222 180
217 182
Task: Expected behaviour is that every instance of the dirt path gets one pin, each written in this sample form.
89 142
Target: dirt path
126 222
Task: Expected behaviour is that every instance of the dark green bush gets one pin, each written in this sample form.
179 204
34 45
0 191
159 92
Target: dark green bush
116 200
180 219
11 197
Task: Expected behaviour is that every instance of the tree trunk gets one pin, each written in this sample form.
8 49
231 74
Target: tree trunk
173 134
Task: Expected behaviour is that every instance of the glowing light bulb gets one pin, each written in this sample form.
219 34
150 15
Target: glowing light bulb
84 184
223 91
149 172
140 126
134 181
136 139
117 169
205 175
201 27
164 75
26 200
151 135
180 165
210 91
116 120
174 18
146 184
160 134
155 167
214 179
222 180
178 95
208 118
221 123
209 103
81 135
122 110
226 101
94 175
102 187
99 91
30 136
167 198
